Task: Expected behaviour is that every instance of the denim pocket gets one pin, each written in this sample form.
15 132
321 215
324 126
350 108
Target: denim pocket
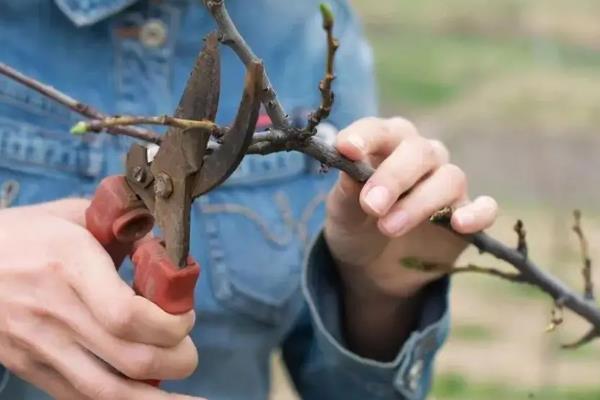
38 153
256 238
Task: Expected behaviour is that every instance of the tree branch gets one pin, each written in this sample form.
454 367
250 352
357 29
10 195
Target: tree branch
325 84
77 106
97 125
416 264
230 36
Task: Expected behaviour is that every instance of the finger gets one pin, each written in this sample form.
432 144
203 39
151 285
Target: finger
88 375
141 362
115 305
135 360
21 364
475 216
51 382
410 161
373 136
445 187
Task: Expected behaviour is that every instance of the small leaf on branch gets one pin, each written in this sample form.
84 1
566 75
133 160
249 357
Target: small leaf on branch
413 263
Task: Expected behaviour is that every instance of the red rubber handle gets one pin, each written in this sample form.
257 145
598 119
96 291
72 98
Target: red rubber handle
162 282
118 219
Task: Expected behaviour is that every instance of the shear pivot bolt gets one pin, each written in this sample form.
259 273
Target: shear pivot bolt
163 186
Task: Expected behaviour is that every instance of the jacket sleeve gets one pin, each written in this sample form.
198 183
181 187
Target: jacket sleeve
322 366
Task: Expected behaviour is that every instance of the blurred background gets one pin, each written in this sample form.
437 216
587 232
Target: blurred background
513 88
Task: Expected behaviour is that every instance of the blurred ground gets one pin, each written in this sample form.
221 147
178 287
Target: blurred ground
513 87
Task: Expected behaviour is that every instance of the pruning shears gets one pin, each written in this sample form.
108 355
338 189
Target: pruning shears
161 187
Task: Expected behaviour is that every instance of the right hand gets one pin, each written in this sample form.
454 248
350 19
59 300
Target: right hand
69 324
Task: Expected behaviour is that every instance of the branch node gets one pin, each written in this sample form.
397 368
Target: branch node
522 238
557 316
586 271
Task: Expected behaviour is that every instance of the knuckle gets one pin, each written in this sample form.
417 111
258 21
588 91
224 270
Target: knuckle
141 363
440 149
456 177
402 126
359 125
120 319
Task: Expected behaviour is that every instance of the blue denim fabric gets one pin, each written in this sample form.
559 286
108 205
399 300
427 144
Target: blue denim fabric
254 234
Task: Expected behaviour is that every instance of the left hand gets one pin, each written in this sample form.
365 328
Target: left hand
371 227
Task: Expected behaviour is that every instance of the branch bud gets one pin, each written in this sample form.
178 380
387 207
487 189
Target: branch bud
79 128
327 15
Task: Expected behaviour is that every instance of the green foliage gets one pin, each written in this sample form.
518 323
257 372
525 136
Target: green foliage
456 387
472 332
432 52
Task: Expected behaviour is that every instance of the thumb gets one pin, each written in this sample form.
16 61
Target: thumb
343 206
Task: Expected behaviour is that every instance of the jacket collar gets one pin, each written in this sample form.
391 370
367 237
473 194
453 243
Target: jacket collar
88 12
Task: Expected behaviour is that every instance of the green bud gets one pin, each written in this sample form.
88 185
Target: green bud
79 128
327 14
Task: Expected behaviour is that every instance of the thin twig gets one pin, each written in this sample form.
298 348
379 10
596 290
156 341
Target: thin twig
77 106
592 334
325 85
586 271
230 36
97 125
414 263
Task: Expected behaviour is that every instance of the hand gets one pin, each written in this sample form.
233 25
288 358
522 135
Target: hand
69 324
370 228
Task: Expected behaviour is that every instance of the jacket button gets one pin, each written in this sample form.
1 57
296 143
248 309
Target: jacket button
415 374
153 33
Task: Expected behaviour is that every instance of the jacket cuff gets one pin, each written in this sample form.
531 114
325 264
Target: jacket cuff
409 374
3 378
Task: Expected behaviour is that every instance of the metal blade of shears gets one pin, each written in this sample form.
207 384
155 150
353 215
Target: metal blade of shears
167 189
220 164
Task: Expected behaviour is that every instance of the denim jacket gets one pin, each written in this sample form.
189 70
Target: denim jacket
268 281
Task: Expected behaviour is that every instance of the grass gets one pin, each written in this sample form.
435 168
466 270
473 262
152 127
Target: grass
456 387
430 53
472 332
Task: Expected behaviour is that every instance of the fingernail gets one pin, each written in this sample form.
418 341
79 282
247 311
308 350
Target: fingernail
395 223
464 218
378 199
357 142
